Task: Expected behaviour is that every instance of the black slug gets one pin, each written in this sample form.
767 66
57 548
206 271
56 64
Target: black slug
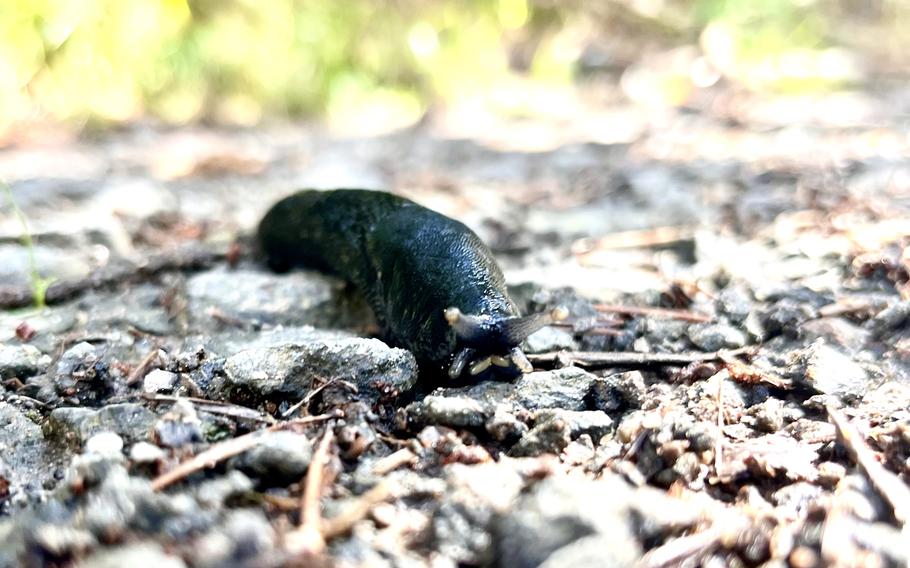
431 281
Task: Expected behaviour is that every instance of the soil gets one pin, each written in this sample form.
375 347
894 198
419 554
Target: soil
732 387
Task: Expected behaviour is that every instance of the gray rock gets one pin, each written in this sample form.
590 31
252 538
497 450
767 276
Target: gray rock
116 503
52 262
476 406
828 371
559 512
146 453
131 421
563 388
488 394
61 541
139 555
504 425
454 411
594 423
554 429
214 492
76 357
47 325
837 332
473 495
889 319
796 498
711 337
755 327
735 303
26 458
13 544
562 510
549 339
245 538
278 459
296 298
90 470
160 381
21 361
622 390
608 550
180 427
142 309
104 443
786 316
235 340
379 371
768 415
546 437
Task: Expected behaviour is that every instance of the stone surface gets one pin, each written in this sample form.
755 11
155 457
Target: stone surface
378 371
563 388
21 361
559 513
131 421
135 555
295 298
279 458
828 371
104 443
549 339
25 457
712 337
159 380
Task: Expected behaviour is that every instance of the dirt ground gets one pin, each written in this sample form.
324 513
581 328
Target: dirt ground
732 387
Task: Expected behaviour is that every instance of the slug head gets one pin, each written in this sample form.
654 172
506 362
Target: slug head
488 340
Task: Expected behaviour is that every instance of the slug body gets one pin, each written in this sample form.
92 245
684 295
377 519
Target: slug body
432 283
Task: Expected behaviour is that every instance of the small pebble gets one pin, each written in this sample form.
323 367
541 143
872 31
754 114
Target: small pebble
160 381
830 473
144 453
105 444
716 336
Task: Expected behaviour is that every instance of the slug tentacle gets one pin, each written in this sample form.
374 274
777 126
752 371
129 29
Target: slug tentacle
460 361
520 360
511 331
480 365
517 329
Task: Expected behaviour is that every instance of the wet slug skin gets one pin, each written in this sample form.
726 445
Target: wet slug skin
433 284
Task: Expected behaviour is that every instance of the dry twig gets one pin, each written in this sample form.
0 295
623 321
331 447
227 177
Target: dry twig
750 374
215 407
308 540
393 461
682 548
631 359
719 443
664 313
344 521
887 484
313 392
657 236
144 366
227 449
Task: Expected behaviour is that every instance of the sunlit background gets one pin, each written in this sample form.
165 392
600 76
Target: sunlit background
366 66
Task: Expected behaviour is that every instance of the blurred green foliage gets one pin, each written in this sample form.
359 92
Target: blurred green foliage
239 61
